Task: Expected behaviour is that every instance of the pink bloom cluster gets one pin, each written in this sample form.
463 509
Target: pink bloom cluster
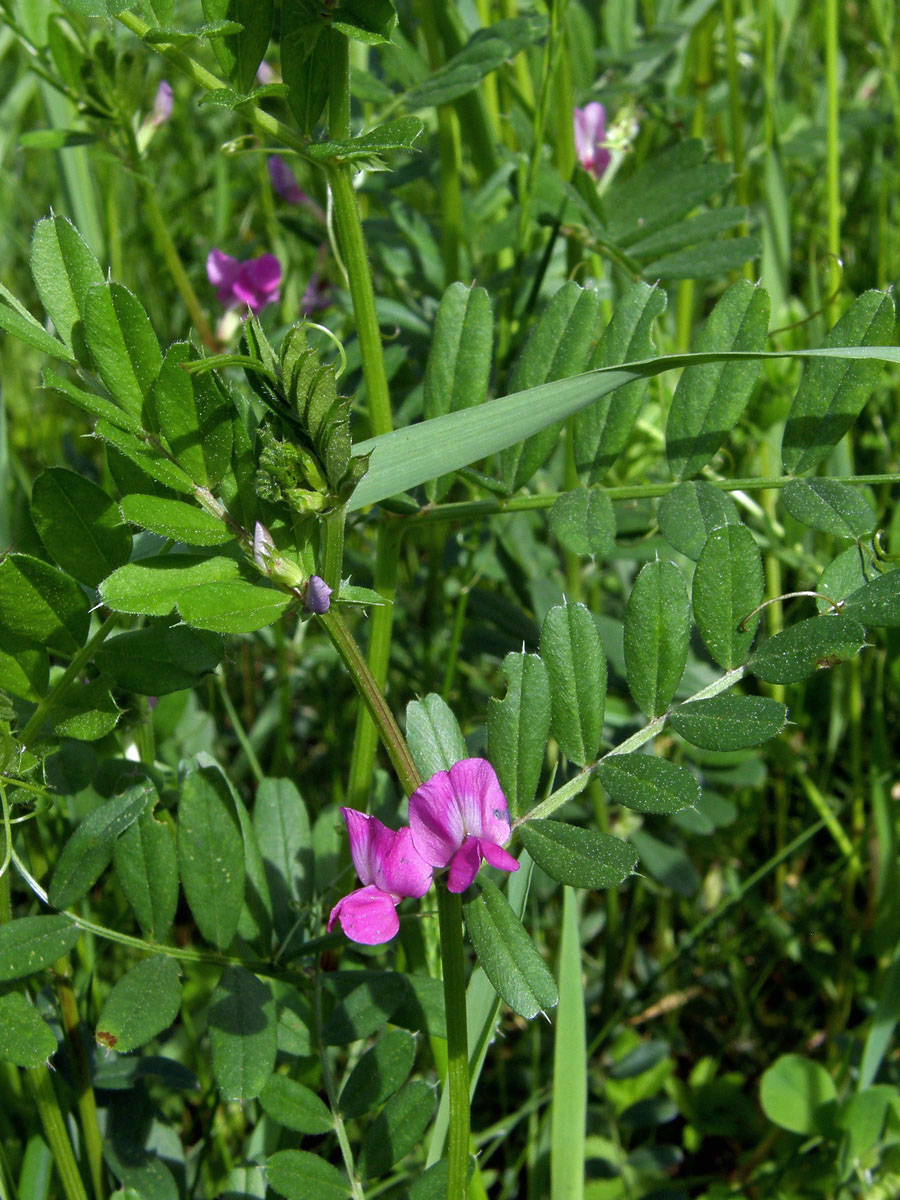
590 138
253 283
456 819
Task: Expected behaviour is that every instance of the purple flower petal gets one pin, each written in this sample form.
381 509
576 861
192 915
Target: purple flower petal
497 857
464 865
590 134
221 268
367 916
252 283
402 871
284 181
318 595
436 820
484 807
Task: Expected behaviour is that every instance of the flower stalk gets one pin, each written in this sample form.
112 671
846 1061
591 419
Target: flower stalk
450 918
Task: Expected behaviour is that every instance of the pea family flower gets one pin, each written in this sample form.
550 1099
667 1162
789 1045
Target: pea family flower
459 817
590 136
390 868
162 105
284 181
254 282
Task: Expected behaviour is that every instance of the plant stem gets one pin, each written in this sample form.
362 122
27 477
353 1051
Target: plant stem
454 970
61 688
356 1187
239 731
333 549
373 698
86 1100
55 1129
833 145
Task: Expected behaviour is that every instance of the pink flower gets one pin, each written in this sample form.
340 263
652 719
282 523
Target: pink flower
590 134
460 817
254 282
388 864
284 181
162 105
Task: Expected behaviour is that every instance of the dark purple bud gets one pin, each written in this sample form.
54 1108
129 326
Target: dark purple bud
318 595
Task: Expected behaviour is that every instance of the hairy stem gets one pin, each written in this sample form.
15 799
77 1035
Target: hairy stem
450 918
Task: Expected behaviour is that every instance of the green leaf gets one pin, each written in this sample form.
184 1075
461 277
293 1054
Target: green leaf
507 954
729 722
300 1175
369 21
64 270
369 147
578 857
573 654
705 260
518 727
602 430
143 1003
647 783
153 586
211 855
239 54
727 587
295 1106
151 461
97 406
709 399
668 865
19 322
234 607
368 1005
24 667
842 577
378 1074
830 506
657 630
176 520
558 346
242 1034
147 869
407 457
457 374
305 61
433 735
796 652
29 944
876 602
122 344
397 1129
667 187
793 1093
583 522
281 822
832 394
88 851
691 511
685 235
87 712
42 604
194 417
79 524
160 660
26 1039
255 924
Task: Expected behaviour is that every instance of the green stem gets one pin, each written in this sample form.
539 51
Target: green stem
239 730
55 1129
833 145
333 550
86 1100
454 970
373 698
737 119
61 688
340 1130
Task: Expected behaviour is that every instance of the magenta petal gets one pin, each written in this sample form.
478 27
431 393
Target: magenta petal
464 865
497 856
481 799
436 820
367 916
221 268
403 871
361 833
264 273
284 181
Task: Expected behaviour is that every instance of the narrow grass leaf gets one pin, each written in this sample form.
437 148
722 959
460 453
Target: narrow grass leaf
79 524
568 1112
379 1073
648 784
122 343
709 399
143 1003
147 869
211 855
507 954
578 857
26 1040
729 722
573 654
295 1106
397 1129
434 736
302 1175
89 850
518 727
29 944
242 1034
691 511
657 630
831 394
727 587
830 506
796 652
